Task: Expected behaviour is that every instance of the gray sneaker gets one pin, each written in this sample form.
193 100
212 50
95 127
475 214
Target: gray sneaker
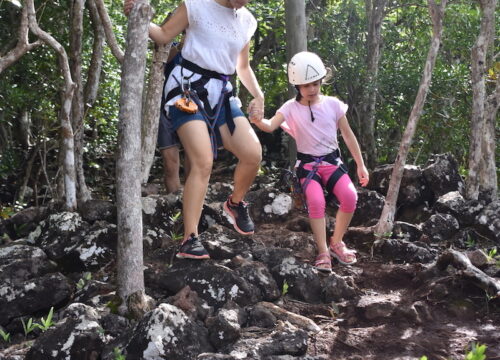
192 248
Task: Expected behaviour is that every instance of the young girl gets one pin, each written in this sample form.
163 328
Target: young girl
312 119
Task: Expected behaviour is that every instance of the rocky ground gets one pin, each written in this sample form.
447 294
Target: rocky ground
430 288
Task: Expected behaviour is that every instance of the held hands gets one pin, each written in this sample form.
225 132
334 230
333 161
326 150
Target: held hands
127 6
256 110
363 175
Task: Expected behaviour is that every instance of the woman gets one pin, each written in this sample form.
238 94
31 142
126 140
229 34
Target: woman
216 45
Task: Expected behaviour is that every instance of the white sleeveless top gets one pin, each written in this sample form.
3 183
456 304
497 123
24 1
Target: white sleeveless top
214 39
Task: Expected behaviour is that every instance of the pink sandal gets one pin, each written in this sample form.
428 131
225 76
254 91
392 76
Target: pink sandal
323 262
343 254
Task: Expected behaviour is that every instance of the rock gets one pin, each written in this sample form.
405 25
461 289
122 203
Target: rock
369 208
77 337
440 227
454 204
442 175
489 220
167 333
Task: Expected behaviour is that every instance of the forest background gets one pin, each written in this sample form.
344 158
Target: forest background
31 87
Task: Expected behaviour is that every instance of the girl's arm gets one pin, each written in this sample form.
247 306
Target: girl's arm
269 125
353 146
165 33
248 79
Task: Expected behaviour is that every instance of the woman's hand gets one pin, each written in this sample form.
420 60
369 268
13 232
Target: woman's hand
127 6
363 175
256 110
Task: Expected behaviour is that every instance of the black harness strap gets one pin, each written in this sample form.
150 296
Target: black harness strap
333 158
199 87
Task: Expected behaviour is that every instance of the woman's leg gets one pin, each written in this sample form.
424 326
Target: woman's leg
245 145
196 142
171 179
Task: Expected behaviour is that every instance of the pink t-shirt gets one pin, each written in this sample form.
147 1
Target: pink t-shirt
316 138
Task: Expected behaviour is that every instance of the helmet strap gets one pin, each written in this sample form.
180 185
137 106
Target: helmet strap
310 110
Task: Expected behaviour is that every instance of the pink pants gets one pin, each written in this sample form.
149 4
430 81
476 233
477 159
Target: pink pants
344 190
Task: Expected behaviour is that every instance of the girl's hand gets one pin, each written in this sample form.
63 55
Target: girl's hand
256 110
363 175
127 6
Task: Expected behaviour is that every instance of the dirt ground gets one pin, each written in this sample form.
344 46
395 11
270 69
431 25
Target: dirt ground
452 314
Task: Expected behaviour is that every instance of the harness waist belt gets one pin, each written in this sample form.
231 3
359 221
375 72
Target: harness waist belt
331 157
204 72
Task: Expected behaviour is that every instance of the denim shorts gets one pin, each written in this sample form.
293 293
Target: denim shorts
167 136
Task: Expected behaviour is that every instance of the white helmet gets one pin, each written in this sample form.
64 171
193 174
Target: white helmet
305 67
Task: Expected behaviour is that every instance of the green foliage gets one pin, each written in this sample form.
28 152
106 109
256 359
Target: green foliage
28 327
284 290
117 353
477 352
84 280
5 335
46 323
337 31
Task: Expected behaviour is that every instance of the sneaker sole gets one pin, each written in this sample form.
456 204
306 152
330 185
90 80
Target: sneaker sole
228 212
191 256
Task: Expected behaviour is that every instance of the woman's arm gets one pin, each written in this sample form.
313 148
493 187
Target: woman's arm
248 79
269 125
353 146
165 33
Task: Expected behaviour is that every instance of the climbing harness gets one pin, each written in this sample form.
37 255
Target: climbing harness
194 94
332 158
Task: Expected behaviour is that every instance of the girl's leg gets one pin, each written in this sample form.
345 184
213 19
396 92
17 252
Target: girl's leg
346 194
316 207
318 227
196 142
245 145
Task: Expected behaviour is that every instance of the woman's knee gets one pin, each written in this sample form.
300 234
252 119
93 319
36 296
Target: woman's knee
201 167
252 156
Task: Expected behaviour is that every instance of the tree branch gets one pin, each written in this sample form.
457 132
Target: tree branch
108 30
23 45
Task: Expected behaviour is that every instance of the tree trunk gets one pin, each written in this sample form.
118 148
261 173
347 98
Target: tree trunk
130 271
151 112
375 10
488 185
77 116
66 151
296 41
478 74
386 221
95 67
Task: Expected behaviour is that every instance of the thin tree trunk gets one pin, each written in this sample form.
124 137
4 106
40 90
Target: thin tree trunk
66 151
108 30
375 10
130 270
488 186
151 112
386 221
296 41
478 73
77 119
95 67
23 44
